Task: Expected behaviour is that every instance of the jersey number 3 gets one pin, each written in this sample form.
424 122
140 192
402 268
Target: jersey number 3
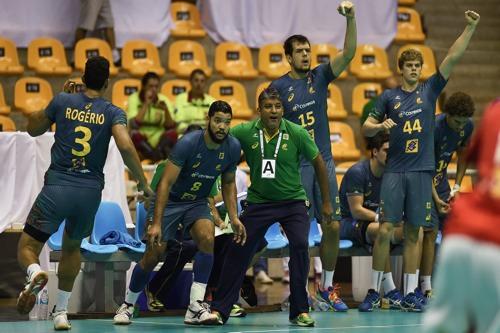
83 141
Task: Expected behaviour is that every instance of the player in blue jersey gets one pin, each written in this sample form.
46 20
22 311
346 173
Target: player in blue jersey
408 113
452 133
85 123
181 200
304 97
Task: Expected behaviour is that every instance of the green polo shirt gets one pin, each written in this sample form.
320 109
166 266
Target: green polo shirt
191 112
287 183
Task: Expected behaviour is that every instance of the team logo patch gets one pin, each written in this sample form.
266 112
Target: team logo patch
196 164
311 90
419 100
428 205
397 105
290 97
284 146
285 136
411 146
255 145
88 106
217 167
221 156
462 133
428 218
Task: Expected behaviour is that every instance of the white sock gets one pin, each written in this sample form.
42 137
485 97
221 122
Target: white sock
417 273
376 280
388 282
326 279
197 292
131 297
318 267
410 283
425 283
116 55
32 269
62 300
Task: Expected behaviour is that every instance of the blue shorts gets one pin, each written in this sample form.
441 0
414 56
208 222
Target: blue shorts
182 215
55 203
313 192
408 194
354 230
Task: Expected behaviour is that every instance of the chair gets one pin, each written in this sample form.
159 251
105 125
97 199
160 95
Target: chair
7 124
141 56
409 26
233 93
173 88
140 221
315 236
109 217
335 103
4 108
122 89
272 61
80 87
91 47
274 237
184 56
47 56
234 61
370 63
9 60
343 144
362 94
32 94
186 19
260 88
429 67
407 2
324 53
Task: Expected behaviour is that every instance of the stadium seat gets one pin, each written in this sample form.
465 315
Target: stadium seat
343 144
234 61
272 61
173 88
429 66
184 56
409 26
4 108
9 61
109 217
140 221
362 94
370 63
314 233
79 84
55 243
141 56
47 56
259 89
186 19
323 53
32 94
233 93
91 47
7 124
346 165
274 237
407 2
122 89
336 110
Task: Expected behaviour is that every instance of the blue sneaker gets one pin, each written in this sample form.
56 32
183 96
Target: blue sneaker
372 300
395 298
421 297
411 303
332 297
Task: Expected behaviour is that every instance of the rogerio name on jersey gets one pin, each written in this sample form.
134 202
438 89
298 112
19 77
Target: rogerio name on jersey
85 116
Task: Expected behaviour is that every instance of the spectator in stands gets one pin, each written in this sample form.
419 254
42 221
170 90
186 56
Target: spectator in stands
389 83
151 126
97 15
192 107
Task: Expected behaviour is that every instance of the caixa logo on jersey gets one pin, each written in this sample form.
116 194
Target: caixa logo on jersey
298 107
409 113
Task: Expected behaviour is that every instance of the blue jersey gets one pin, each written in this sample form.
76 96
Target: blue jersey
411 143
446 142
359 180
83 131
305 103
201 166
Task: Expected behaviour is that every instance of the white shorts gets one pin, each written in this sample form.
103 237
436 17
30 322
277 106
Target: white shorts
467 287
95 14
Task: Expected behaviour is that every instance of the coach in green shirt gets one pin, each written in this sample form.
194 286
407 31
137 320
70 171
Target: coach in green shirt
273 147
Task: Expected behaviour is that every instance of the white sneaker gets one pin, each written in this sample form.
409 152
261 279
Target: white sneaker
198 313
61 322
27 297
263 278
124 314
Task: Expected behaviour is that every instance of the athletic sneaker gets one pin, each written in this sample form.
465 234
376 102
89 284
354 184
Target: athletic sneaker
372 300
412 303
303 320
332 297
198 313
394 298
123 315
27 297
61 322
237 311
154 304
428 296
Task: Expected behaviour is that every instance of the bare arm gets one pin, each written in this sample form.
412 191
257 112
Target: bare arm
343 58
217 218
458 48
229 195
372 126
358 211
461 165
324 187
38 123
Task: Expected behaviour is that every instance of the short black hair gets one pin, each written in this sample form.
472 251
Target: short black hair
377 141
196 71
219 106
96 72
148 76
192 127
459 104
288 45
268 93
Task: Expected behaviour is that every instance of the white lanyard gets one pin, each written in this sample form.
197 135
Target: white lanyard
261 136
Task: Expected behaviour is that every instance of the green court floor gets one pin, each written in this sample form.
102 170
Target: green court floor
352 321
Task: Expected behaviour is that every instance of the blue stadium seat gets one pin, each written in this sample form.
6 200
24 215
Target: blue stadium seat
274 237
55 240
140 220
439 238
314 234
345 244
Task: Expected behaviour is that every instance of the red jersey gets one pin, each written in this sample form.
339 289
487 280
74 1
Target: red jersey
478 214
